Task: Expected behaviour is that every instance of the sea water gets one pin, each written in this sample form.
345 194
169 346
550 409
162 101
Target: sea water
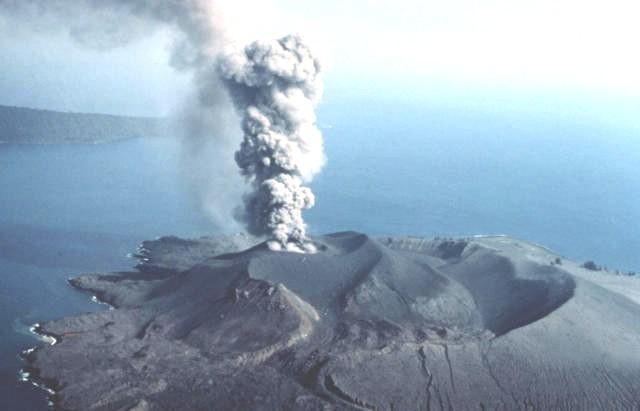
72 209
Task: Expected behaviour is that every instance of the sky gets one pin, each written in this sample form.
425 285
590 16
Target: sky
575 56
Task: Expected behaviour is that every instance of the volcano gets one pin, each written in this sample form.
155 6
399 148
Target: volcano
384 323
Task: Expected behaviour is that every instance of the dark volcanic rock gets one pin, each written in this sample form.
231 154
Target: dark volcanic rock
389 323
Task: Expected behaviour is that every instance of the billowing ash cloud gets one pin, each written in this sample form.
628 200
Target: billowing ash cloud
197 30
275 85
104 24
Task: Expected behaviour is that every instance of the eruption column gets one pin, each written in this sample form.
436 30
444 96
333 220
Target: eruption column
274 86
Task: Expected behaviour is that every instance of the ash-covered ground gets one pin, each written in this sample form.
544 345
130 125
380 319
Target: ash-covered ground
364 323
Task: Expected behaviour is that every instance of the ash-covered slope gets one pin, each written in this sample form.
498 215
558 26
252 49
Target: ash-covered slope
387 323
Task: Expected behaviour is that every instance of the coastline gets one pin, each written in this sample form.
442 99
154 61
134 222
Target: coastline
30 374
522 296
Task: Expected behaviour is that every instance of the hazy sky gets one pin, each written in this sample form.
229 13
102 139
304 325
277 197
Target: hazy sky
569 55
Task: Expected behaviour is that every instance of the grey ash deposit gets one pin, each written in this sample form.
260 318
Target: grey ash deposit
364 323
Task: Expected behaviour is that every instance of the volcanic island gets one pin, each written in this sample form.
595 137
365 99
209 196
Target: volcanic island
364 323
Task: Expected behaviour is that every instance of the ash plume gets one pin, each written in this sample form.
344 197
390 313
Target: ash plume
105 24
275 86
198 31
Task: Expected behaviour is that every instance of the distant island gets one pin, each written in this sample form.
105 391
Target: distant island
19 125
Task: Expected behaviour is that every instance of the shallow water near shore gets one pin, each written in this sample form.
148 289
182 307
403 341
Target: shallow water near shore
73 209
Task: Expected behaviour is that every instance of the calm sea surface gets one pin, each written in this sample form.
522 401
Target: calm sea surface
67 209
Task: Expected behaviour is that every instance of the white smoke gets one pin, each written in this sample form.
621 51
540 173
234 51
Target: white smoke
274 86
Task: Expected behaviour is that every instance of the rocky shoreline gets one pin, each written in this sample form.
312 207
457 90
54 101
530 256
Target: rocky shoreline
365 323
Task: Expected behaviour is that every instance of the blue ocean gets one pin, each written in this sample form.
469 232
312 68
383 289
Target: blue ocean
572 186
